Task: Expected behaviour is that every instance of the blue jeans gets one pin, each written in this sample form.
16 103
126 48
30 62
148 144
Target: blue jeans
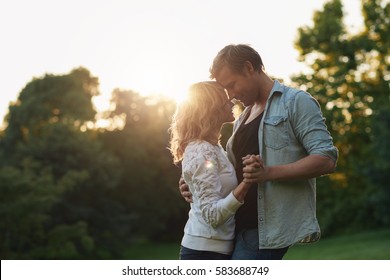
190 254
247 248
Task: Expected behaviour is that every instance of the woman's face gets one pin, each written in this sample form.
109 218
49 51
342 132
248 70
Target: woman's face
227 110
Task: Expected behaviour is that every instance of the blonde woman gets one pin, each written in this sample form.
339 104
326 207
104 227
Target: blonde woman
216 195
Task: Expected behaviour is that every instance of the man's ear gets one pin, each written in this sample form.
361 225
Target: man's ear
248 68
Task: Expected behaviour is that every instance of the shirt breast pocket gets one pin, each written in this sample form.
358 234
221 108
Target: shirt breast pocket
276 132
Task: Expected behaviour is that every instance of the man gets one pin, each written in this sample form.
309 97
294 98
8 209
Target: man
286 129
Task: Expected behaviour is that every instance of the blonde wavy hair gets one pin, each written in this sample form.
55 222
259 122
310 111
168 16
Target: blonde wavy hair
197 118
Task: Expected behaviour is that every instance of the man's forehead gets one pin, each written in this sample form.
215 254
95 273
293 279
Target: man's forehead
224 76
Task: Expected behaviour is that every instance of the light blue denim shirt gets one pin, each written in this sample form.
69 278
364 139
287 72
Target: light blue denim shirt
292 128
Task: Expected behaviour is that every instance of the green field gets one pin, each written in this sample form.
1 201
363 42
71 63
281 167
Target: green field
371 245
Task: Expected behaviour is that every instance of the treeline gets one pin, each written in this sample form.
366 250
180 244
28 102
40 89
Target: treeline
72 190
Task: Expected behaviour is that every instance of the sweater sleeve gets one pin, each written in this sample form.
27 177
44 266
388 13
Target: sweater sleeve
202 176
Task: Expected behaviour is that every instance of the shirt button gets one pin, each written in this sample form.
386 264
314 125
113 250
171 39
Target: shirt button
260 197
261 219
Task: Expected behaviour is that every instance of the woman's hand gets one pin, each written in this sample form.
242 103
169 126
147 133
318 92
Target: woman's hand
184 191
254 170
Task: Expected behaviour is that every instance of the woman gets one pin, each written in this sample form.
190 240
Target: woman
195 132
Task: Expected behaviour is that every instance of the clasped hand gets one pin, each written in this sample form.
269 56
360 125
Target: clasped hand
254 170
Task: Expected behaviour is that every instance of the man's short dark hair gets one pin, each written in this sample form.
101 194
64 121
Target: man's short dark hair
235 56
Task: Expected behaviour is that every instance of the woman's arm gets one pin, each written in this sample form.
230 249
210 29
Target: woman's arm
202 175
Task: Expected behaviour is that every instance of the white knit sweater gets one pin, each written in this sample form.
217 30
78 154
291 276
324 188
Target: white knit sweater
211 179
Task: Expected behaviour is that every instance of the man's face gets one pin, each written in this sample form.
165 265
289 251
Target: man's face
239 86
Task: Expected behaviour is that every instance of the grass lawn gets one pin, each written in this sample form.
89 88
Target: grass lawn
371 245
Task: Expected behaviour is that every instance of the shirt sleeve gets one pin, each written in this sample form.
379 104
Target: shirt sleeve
204 182
310 127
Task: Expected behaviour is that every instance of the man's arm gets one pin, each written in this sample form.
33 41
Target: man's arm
308 167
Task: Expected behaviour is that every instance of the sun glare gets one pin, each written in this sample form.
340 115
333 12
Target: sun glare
175 91
160 86
167 77
101 103
150 74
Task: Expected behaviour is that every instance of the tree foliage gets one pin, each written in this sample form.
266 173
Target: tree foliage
80 192
350 78
149 185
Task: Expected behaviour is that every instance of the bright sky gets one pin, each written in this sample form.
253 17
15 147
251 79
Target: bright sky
149 46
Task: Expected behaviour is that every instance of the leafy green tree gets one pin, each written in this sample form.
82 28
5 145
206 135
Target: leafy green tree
376 38
52 99
350 78
149 183
27 196
48 124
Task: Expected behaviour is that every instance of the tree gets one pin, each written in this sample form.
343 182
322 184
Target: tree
149 183
27 196
350 78
62 99
47 125
376 37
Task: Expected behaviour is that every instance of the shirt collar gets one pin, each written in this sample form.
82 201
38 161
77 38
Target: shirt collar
277 87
